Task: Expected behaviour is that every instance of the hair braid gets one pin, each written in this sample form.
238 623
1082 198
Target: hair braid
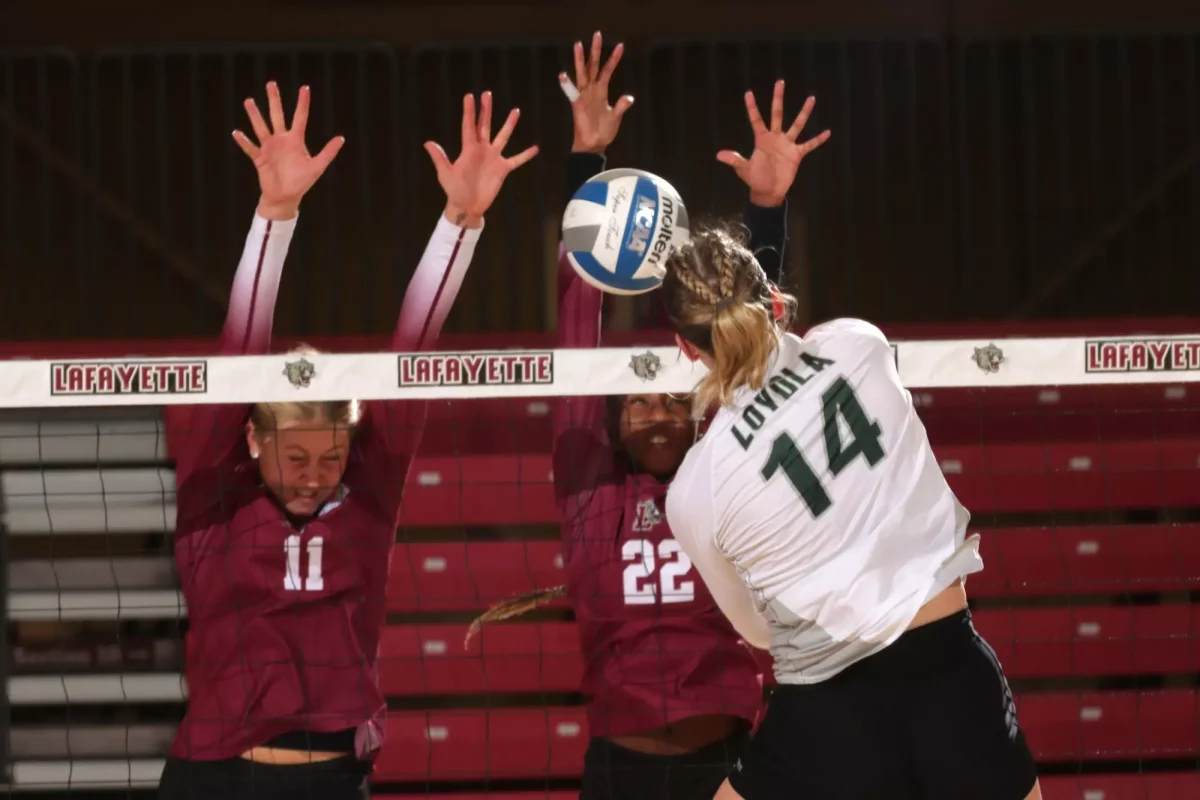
727 273
719 298
686 272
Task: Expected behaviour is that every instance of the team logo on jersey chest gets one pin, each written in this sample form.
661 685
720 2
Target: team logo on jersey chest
648 516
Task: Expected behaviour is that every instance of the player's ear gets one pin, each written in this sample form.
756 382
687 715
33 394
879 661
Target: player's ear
689 350
251 440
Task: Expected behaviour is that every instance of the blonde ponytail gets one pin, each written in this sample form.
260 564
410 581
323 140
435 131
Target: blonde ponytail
720 300
744 336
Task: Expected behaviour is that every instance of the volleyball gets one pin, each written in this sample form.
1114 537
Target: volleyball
620 228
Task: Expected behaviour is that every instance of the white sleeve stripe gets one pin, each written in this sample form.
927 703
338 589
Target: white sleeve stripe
256 282
435 284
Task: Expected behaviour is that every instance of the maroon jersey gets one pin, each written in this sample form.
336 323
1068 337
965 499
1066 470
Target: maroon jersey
655 647
285 618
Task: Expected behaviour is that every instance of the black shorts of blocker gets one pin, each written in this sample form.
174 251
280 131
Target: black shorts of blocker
930 717
239 779
611 772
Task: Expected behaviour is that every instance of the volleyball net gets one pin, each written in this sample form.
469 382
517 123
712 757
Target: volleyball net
1079 459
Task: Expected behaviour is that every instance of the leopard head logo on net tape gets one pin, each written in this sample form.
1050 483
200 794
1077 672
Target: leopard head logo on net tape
300 373
989 358
645 365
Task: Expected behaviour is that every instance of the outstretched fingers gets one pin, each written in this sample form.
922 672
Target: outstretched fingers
501 141
801 119
275 108
506 131
328 153
731 158
469 131
756 120
815 142
581 73
522 158
300 116
257 124
610 66
594 61
485 117
441 162
777 108
248 147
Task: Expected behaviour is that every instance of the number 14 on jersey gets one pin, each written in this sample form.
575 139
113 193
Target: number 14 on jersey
838 401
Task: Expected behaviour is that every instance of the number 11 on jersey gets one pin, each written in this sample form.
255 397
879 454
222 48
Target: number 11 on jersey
292 580
838 401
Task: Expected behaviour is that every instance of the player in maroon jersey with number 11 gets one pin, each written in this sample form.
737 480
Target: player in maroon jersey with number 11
287 511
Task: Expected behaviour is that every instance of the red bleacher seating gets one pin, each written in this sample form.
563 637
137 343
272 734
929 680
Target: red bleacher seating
1020 562
431 659
1098 559
486 461
1093 641
1098 476
1097 726
1085 641
457 576
1168 786
463 744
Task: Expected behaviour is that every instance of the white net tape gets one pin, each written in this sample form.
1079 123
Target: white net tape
547 373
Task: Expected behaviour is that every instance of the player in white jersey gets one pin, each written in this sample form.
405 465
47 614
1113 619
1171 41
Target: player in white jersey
817 515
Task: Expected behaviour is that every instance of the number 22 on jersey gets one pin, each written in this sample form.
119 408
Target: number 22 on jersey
656 571
838 403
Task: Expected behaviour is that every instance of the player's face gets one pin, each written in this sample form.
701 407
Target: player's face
657 430
302 464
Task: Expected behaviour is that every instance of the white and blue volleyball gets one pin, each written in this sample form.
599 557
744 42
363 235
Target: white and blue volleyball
620 228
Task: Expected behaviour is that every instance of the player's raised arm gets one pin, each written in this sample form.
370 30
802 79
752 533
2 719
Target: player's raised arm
203 439
391 431
582 451
596 124
769 173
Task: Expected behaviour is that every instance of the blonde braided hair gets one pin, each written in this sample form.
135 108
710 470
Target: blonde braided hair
719 298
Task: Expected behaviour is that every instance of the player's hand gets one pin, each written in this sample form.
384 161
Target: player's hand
771 168
473 180
286 170
596 122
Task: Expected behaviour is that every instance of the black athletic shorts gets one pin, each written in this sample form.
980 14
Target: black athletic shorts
929 718
239 779
611 772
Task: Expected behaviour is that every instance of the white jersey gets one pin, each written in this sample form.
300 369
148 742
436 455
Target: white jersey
815 510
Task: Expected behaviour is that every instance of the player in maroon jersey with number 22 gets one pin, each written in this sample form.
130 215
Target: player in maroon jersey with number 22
672 690
287 511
